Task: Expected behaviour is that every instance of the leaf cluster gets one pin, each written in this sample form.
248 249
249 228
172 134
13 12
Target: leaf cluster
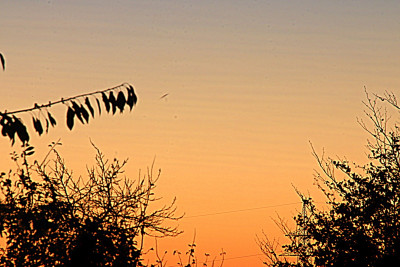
78 107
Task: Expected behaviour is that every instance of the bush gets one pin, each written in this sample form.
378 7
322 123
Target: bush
361 226
50 218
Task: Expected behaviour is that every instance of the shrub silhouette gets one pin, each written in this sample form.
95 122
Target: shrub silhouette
361 226
50 218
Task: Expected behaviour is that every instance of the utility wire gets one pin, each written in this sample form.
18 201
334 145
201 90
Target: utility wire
241 210
235 211
226 259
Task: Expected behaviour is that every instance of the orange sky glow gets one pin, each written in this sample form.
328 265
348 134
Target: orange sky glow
250 84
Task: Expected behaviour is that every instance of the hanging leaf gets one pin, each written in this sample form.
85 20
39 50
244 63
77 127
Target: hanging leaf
84 113
70 118
8 127
21 130
132 99
113 102
106 101
4 130
3 62
113 98
29 148
87 102
77 110
47 125
11 132
52 120
121 101
34 123
3 124
29 151
98 105
37 125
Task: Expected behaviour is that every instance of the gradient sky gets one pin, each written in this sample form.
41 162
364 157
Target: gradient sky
250 83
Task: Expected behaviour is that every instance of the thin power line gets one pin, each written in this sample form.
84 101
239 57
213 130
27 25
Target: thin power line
241 210
240 257
225 259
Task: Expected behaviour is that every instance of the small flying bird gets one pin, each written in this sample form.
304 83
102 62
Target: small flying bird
3 62
164 96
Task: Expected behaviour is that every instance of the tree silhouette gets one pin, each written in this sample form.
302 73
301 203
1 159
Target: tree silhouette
50 218
361 226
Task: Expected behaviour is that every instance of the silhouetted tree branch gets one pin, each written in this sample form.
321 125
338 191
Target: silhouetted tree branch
361 226
78 107
51 218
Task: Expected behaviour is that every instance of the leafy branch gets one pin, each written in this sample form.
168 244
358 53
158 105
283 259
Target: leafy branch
80 107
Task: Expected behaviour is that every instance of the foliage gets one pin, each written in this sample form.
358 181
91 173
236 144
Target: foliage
78 107
50 218
361 226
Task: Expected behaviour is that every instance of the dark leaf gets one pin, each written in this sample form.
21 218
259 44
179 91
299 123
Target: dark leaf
98 105
3 62
121 101
87 102
4 130
37 125
29 150
85 114
2 119
52 120
11 130
21 130
132 99
77 110
29 153
3 123
40 128
70 118
113 102
47 125
34 122
11 135
106 101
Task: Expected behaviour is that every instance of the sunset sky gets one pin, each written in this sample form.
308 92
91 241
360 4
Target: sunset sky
250 84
